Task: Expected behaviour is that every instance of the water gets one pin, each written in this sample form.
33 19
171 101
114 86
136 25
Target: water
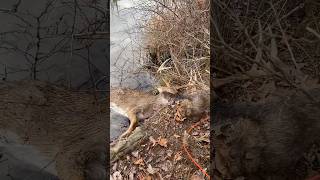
126 55
126 51
118 125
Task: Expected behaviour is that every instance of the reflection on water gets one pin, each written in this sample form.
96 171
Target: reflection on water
119 125
126 52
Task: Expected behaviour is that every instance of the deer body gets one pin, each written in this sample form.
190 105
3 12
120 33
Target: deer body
66 127
140 105
133 104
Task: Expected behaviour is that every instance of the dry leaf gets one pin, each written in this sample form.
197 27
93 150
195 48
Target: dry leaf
131 176
140 176
150 169
163 142
196 177
177 156
114 167
135 154
204 138
177 116
159 176
148 178
139 162
117 176
176 136
153 141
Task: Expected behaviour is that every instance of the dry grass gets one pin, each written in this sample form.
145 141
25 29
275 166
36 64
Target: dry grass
177 39
261 46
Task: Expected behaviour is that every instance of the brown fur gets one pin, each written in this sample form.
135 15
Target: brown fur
133 103
69 127
266 141
195 104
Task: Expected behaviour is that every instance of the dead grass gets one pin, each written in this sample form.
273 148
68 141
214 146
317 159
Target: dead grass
177 39
262 46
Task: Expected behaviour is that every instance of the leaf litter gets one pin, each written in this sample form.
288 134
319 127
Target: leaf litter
161 156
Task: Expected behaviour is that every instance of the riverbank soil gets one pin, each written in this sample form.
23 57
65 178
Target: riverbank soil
172 142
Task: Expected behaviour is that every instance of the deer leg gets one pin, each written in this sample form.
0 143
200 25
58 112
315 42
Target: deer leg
132 115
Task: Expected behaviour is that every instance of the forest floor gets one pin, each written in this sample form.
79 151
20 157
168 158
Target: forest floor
172 143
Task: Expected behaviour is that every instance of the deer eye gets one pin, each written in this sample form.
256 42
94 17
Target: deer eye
155 92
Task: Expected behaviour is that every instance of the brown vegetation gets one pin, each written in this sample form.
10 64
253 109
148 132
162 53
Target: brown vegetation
263 50
261 46
177 39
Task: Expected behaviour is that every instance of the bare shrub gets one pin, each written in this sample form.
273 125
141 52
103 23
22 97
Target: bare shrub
261 46
177 39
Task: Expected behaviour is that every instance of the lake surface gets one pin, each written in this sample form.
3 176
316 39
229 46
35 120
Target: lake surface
126 51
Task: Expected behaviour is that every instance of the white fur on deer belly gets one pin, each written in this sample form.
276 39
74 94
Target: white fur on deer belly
117 109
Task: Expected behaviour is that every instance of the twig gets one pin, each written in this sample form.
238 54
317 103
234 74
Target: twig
285 37
313 32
